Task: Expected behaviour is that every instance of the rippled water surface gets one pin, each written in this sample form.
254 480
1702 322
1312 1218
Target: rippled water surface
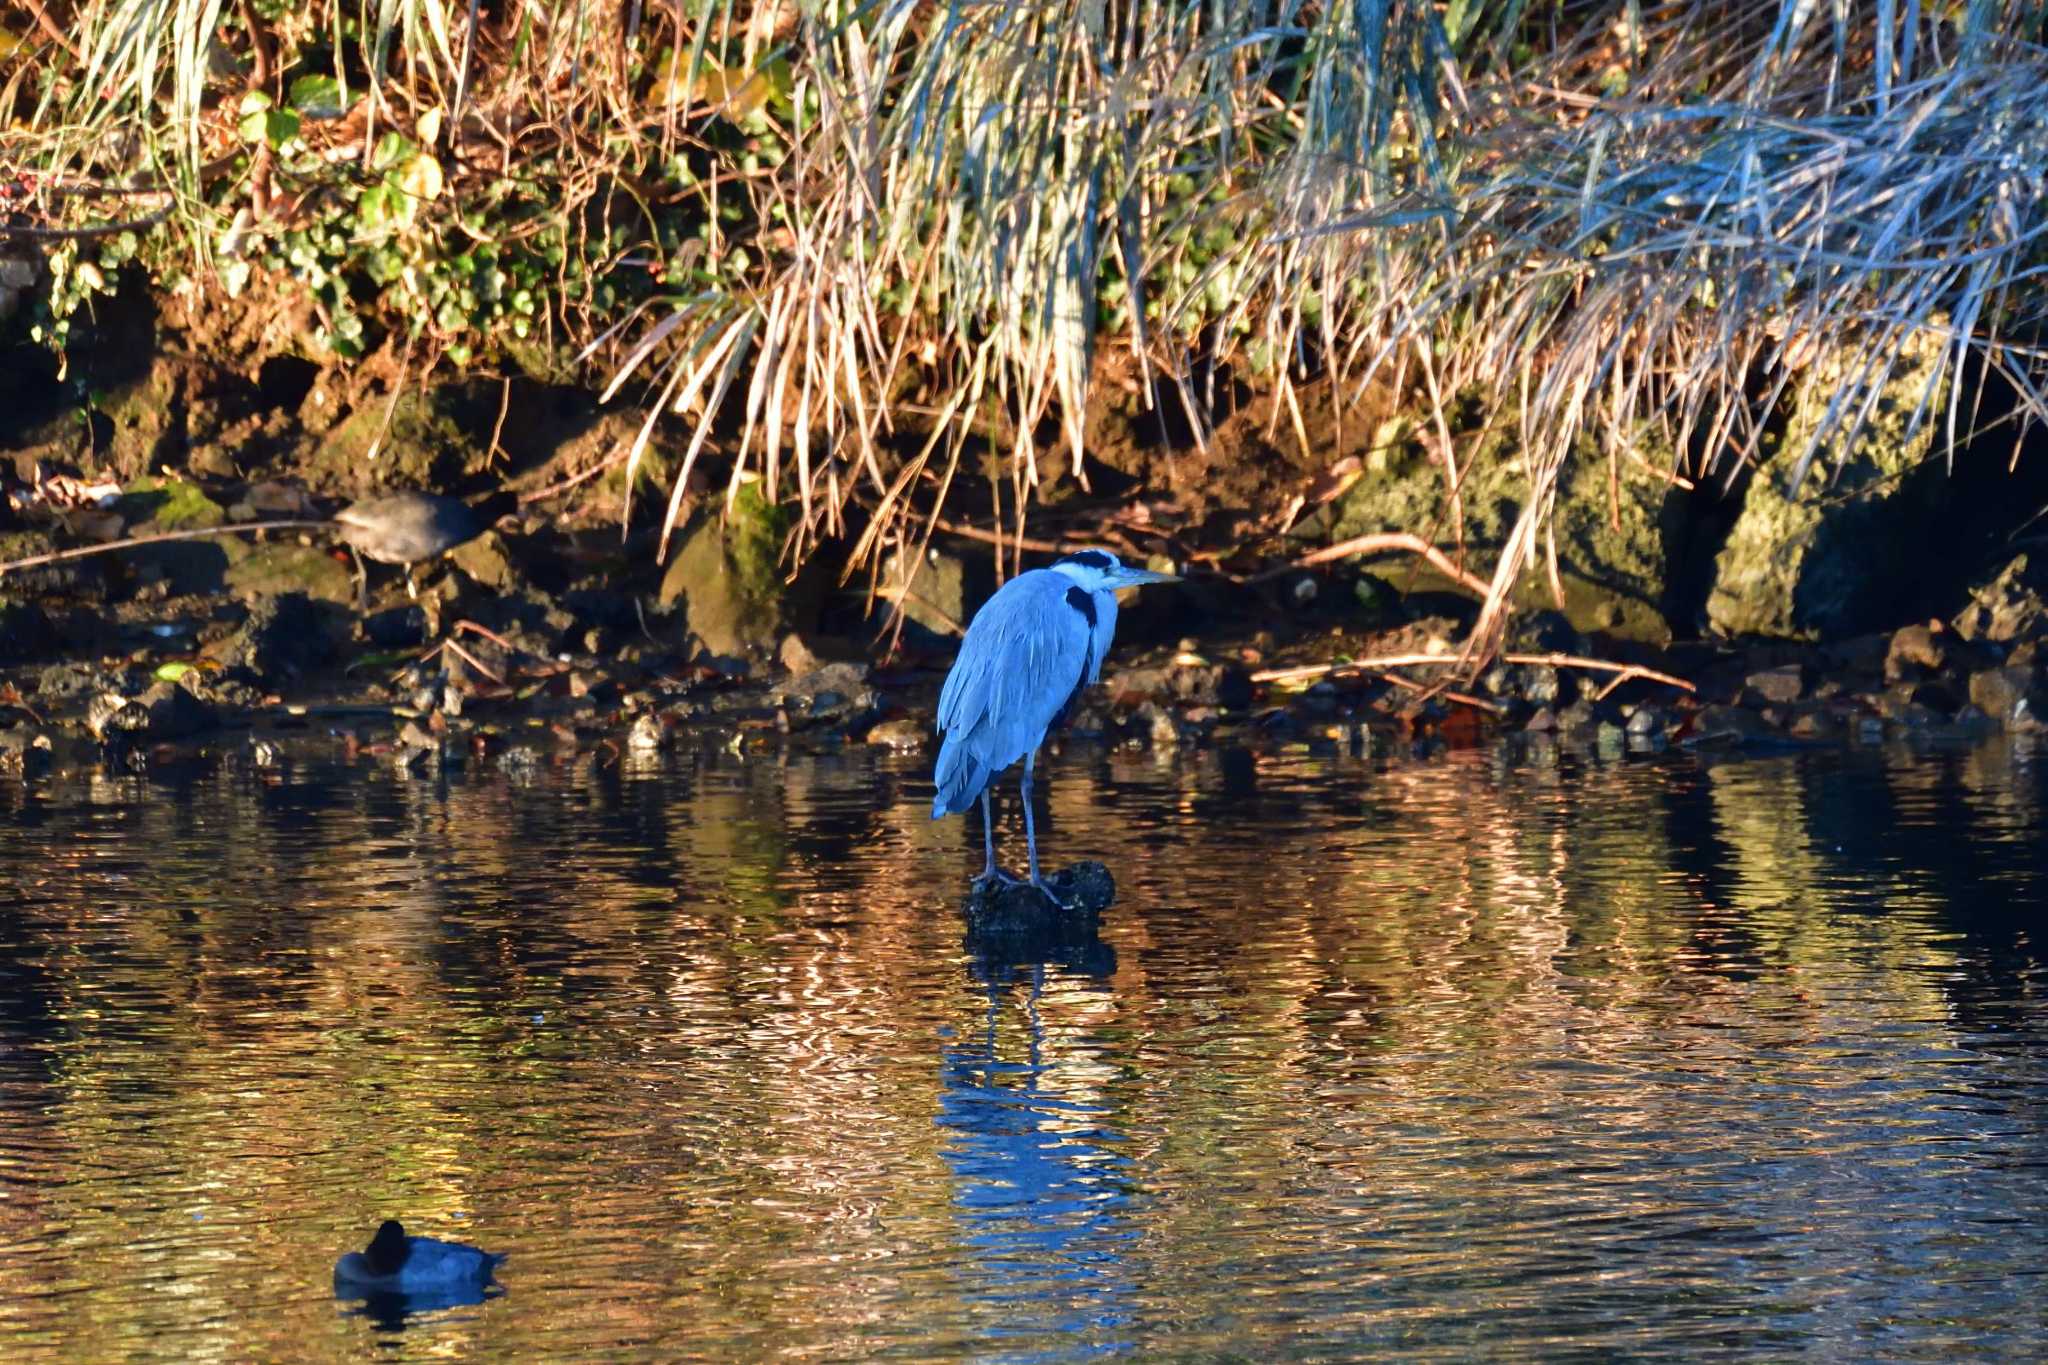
1471 1056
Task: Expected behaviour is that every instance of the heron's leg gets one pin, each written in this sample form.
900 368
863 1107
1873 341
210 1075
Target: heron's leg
412 592
1031 836
991 875
362 579
988 837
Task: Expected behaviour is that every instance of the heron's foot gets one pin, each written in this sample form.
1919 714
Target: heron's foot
1045 890
995 879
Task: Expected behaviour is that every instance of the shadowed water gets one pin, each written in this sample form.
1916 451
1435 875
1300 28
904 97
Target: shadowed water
1479 1055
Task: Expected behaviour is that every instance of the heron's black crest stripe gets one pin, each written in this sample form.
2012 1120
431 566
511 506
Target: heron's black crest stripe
1082 602
1094 559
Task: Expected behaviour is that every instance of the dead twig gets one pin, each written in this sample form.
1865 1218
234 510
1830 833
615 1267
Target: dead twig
1381 663
51 29
1462 698
1003 538
901 595
611 461
1380 542
504 402
131 542
478 664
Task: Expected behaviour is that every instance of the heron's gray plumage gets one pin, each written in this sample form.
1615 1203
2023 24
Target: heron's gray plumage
1028 653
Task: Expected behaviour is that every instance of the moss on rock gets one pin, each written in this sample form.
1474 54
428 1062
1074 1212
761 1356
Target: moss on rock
280 568
1823 560
1608 523
726 575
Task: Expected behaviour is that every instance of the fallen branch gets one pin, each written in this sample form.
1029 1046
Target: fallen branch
1381 663
1002 539
1462 698
131 542
1381 542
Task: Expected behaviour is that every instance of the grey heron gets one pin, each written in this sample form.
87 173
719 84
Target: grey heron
1028 653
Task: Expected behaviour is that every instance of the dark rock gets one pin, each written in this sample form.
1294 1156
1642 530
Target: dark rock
1084 891
1783 685
903 735
24 751
604 607
1915 652
1541 721
268 570
25 631
1159 724
2003 692
77 579
1934 697
1579 716
1648 720
731 597
1224 685
396 627
1091 722
284 636
647 735
933 592
1545 632
487 561
173 712
1732 725
1543 685
1130 686
834 692
2009 607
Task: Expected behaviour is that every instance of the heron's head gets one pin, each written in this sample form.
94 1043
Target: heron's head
1101 571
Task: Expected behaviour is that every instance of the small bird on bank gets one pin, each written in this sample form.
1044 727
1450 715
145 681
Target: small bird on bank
394 1263
406 529
1029 652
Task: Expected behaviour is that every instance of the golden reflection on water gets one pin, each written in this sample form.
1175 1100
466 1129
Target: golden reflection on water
1466 1055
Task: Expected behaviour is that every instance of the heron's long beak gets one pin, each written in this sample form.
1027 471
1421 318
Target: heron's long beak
1132 578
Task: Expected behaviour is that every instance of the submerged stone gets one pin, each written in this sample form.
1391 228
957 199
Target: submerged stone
1085 890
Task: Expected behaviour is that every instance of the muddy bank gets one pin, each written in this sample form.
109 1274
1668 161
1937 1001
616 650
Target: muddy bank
534 644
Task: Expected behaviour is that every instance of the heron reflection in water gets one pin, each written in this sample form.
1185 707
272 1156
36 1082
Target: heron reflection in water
1040 1191
1029 652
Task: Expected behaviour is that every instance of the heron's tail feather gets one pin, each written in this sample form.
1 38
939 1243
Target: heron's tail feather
960 778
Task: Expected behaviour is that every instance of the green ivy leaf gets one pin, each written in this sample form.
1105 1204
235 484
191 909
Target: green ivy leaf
318 97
